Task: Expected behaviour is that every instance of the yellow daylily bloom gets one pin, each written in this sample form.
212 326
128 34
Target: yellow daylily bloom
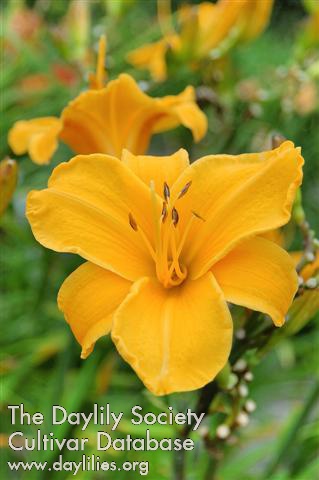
108 119
166 245
202 29
38 137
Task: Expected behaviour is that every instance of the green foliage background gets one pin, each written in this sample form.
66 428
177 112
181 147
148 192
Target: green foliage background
40 362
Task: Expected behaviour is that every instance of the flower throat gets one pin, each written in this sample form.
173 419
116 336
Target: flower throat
170 271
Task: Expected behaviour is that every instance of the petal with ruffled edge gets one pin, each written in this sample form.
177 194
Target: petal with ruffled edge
88 299
182 110
38 137
175 339
122 116
260 275
237 196
86 211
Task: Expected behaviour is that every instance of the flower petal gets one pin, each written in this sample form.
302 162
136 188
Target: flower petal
260 275
88 298
151 56
238 196
86 211
176 339
122 116
256 18
159 169
38 137
182 109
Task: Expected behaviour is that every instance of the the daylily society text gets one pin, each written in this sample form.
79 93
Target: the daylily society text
102 416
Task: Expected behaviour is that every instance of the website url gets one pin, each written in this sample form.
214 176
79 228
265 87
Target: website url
91 463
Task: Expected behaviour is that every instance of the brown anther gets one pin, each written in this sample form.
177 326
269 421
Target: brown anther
132 221
164 212
198 216
175 217
166 192
184 190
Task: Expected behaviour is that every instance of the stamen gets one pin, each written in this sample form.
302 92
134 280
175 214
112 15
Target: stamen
146 241
157 226
166 192
132 222
164 212
175 217
185 189
197 215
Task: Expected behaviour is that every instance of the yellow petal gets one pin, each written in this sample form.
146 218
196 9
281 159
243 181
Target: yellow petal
256 18
260 275
151 56
88 298
122 116
38 137
158 169
216 24
86 211
176 339
238 196
182 109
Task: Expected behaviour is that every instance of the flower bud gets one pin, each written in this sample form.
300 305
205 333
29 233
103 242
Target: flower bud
8 181
250 406
240 365
242 419
222 431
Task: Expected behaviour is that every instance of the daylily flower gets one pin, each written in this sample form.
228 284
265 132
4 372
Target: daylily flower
167 244
108 119
204 29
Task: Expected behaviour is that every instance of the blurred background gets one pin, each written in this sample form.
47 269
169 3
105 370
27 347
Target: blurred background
249 90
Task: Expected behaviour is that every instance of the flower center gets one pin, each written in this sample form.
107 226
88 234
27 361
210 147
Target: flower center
169 241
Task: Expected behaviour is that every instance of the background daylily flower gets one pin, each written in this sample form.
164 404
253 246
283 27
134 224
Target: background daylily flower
108 119
167 244
202 29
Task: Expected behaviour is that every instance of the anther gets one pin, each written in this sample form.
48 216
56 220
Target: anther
164 212
166 192
198 216
132 221
184 190
175 217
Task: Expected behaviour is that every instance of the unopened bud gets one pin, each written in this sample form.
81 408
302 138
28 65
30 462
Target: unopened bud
311 283
243 390
222 431
250 406
310 257
240 365
240 334
242 419
248 376
8 181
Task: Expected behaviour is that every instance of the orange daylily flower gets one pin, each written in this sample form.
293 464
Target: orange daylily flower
166 245
108 119
202 29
